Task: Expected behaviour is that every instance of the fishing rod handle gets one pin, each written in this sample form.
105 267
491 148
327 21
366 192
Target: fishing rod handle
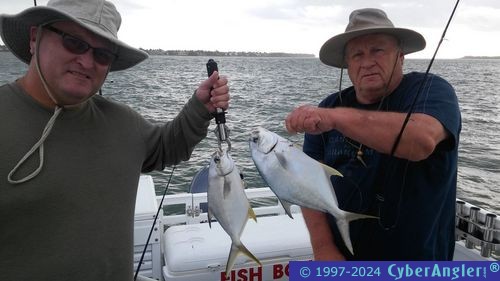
220 115
211 67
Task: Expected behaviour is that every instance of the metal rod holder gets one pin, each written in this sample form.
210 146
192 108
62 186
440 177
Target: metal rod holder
459 222
488 234
477 228
471 227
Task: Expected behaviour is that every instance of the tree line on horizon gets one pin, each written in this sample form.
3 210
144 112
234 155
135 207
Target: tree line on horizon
161 52
219 53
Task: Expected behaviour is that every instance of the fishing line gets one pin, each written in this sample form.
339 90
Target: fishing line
398 138
422 85
340 84
154 222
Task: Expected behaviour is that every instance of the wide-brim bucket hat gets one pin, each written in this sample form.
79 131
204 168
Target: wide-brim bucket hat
363 22
98 16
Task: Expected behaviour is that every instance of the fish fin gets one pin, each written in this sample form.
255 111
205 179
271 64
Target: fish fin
284 163
235 250
226 189
242 177
286 205
330 171
282 160
251 214
209 215
343 226
349 216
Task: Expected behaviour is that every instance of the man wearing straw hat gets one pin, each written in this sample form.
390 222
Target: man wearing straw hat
409 184
70 159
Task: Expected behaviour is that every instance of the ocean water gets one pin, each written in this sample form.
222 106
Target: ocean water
265 90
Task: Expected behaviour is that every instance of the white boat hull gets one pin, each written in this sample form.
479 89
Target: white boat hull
184 248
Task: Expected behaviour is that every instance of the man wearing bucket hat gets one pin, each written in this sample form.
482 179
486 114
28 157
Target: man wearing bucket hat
71 160
410 189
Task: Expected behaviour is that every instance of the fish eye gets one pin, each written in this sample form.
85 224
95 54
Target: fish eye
216 159
255 139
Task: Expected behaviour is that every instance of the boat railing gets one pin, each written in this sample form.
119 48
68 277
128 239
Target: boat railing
191 207
476 227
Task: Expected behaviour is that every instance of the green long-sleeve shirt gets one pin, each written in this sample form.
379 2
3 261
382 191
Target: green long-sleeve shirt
74 221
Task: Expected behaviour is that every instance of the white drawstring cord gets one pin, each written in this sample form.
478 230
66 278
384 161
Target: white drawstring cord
50 123
38 145
46 130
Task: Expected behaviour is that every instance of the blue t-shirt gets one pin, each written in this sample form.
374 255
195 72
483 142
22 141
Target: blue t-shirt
414 200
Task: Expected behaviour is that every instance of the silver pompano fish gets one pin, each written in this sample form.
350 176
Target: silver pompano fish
227 202
298 179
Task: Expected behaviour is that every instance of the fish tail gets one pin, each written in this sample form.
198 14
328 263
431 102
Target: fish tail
235 250
343 225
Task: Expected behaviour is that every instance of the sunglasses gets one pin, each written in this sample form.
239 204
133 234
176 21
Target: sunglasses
78 47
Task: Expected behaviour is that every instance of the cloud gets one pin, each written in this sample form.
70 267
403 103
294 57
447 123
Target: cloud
480 18
294 25
14 7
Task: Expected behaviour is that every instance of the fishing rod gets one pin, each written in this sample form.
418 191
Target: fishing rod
410 111
153 225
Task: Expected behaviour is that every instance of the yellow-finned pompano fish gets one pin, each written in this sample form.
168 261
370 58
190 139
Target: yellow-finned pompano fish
227 202
298 179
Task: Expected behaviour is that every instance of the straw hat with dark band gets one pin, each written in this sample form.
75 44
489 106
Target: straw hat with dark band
98 16
363 22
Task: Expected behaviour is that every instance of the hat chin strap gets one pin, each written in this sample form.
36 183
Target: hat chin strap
48 127
46 131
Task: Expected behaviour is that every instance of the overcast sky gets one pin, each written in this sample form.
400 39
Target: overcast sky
295 26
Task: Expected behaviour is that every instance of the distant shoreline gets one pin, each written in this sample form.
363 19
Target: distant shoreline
481 57
159 52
